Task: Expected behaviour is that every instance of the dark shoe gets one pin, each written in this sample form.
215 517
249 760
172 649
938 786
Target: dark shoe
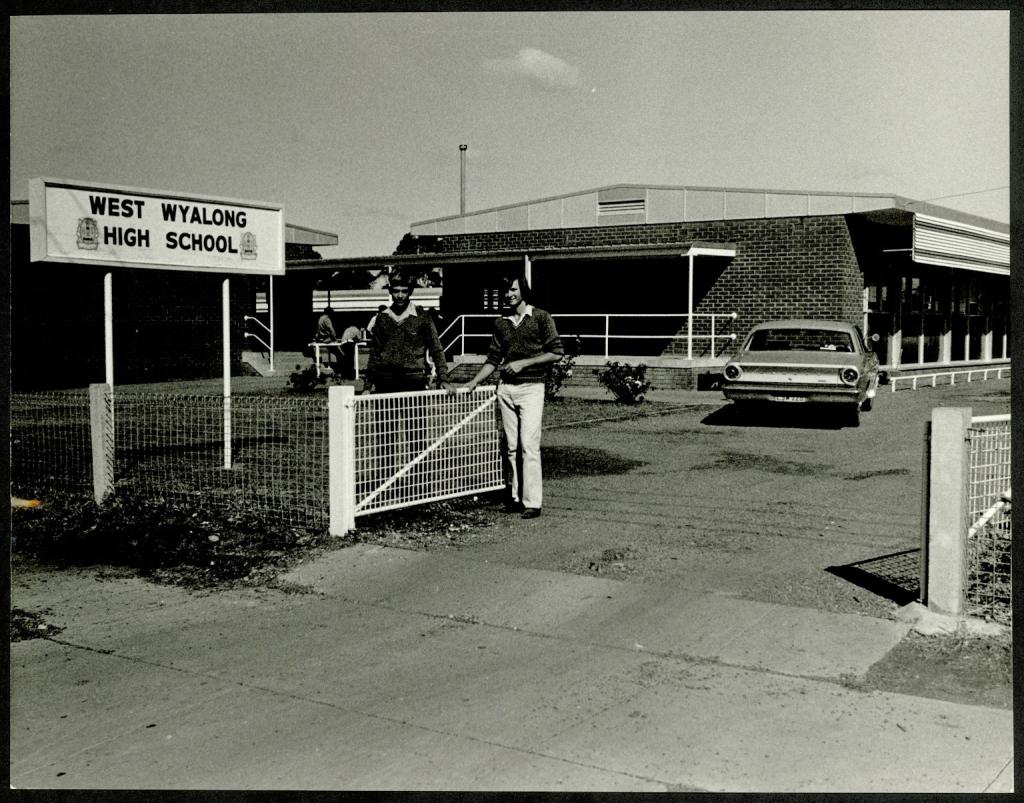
531 513
513 507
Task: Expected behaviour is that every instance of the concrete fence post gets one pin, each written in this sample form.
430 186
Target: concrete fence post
341 436
101 427
947 509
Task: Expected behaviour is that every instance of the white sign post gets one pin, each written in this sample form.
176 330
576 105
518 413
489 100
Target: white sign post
83 223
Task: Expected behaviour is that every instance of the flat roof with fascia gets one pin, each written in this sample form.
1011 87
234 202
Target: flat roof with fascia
514 255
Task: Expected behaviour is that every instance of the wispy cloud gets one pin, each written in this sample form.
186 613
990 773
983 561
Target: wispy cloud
547 70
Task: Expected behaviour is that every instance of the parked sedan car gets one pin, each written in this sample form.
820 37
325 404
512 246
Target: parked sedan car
804 361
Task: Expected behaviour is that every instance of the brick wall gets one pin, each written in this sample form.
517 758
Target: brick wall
800 267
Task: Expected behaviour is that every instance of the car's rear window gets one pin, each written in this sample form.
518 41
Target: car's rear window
800 340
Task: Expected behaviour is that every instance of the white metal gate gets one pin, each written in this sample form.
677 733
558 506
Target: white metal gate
393 450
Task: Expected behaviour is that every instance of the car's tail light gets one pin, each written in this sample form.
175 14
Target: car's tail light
733 372
849 375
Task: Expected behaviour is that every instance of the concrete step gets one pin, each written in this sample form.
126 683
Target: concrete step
284 362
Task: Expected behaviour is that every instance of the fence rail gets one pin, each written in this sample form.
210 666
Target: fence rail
608 328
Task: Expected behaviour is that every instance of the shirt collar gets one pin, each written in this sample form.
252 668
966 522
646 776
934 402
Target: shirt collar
409 311
518 319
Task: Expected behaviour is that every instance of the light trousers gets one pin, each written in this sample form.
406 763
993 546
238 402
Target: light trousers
522 411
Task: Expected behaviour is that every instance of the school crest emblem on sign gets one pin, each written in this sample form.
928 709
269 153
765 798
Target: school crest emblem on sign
88 234
248 247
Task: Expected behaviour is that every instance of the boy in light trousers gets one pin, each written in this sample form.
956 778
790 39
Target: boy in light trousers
523 344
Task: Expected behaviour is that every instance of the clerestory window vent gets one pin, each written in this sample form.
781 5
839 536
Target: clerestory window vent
615 208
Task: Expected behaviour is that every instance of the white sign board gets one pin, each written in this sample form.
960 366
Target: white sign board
90 224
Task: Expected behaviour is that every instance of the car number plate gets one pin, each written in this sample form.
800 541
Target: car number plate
789 398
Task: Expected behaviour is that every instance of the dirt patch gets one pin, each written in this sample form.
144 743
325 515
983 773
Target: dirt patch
441 525
163 541
886 472
756 462
615 562
172 544
583 461
27 625
960 669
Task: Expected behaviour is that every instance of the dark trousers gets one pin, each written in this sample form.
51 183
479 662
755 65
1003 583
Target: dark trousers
347 360
399 384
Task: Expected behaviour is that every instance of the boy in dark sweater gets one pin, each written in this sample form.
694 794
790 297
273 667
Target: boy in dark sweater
523 345
399 338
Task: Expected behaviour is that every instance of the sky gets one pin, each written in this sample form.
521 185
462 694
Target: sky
352 122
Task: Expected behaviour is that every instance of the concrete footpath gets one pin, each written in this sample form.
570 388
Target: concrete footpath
377 668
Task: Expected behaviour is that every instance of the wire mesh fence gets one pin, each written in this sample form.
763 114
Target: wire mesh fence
413 448
172 447
408 449
50 443
989 534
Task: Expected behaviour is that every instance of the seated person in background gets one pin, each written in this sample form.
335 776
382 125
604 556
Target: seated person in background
349 338
325 334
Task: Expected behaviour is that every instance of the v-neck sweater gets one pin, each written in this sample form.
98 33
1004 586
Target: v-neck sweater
535 335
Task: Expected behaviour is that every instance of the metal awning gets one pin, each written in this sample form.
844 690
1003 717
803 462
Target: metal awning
955 244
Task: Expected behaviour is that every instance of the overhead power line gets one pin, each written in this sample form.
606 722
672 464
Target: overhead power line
960 195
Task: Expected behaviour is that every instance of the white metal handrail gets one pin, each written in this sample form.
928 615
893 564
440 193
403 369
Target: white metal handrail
259 340
608 336
257 320
270 333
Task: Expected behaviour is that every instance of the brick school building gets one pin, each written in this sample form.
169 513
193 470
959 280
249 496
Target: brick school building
675 276
670 276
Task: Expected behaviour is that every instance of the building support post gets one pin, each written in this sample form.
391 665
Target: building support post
270 320
689 306
528 270
864 305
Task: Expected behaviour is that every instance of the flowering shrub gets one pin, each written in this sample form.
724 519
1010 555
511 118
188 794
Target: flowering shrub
561 371
628 382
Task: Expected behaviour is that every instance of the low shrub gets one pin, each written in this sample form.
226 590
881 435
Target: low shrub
628 383
305 380
561 371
